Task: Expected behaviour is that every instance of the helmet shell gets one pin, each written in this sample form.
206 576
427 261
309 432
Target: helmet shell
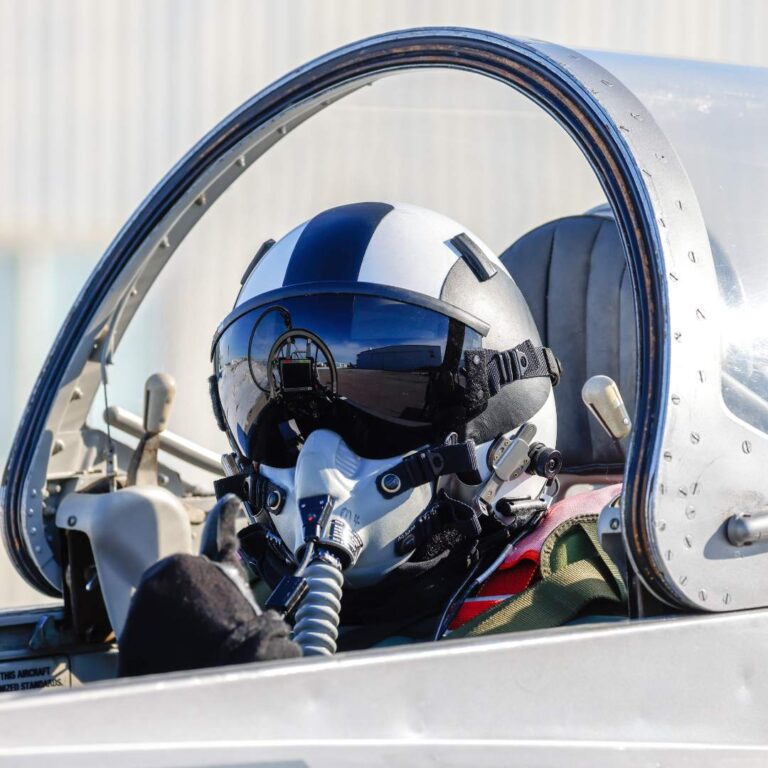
411 250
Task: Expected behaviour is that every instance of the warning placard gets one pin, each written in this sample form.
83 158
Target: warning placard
33 674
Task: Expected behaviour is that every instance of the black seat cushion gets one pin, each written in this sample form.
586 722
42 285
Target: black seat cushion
573 273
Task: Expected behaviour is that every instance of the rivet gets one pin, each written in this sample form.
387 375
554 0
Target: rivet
690 512
661 525
668 554
636 116
667 455
675 399
695 438
673 276
682 492
726 598
694 489
30 511
38 549
680 204
282 130
746 446
33 493
688 541
71 521
614 524
700 315
702 377
33 530
703 594
201 200
77 393
476 359
241 161
683 580
692 257
678 335
165 243
391 483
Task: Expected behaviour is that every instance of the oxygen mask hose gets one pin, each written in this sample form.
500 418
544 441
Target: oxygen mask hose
317 617
330 546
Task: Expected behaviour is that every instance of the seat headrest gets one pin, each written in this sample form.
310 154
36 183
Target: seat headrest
573 272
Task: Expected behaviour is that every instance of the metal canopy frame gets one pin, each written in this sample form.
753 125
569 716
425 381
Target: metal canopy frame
643 180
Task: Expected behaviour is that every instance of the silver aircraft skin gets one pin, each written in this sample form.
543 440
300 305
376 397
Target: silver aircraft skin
679 683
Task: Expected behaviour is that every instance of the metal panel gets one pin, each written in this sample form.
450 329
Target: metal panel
600 695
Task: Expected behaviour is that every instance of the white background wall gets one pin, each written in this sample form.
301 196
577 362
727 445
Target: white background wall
99 97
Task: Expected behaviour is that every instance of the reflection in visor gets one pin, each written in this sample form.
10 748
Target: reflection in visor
393 360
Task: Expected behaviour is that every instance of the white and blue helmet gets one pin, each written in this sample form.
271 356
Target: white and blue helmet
396 300
383 330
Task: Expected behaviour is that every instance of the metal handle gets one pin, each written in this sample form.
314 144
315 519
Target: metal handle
159 393
601 395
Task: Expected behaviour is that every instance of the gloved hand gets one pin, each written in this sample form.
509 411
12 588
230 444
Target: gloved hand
192 611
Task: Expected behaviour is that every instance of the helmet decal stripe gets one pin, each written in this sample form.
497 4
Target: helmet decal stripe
333 244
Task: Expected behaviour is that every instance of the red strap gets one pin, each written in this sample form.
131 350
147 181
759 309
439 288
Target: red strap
520 567
510 581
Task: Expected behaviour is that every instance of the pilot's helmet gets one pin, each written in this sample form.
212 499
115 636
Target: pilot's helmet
382 355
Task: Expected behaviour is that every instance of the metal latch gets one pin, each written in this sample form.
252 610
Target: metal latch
510 463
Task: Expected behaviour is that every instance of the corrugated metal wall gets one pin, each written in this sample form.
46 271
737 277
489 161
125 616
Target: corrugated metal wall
99 97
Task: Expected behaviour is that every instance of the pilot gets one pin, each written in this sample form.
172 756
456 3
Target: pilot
390 411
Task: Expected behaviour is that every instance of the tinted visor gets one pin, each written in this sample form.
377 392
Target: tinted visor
318 360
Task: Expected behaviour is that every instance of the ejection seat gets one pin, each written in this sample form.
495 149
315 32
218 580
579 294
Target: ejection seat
573 273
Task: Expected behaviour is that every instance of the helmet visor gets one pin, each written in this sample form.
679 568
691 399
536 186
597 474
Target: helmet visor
395 361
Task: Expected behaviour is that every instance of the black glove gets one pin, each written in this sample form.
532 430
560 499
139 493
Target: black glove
190 612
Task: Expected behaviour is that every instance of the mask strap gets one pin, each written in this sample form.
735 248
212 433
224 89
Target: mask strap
260 492
427 465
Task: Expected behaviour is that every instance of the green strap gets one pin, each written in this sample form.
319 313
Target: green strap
576 572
